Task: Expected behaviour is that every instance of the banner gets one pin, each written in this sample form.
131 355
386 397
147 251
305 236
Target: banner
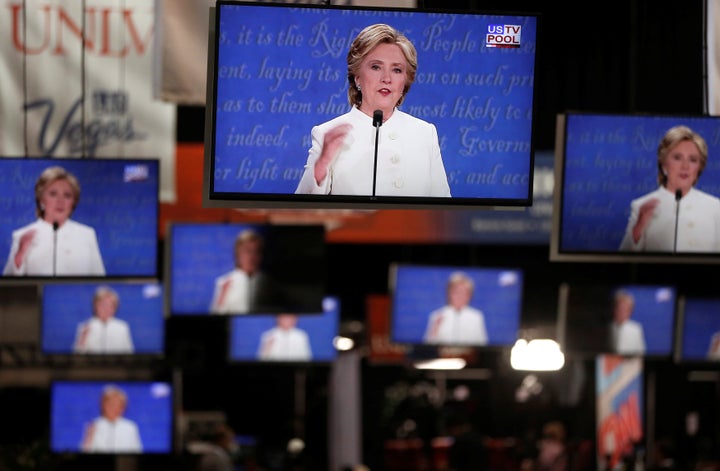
619 392
182 53
77 83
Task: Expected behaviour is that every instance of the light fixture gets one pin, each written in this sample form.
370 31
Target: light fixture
343 344
537 355
441 364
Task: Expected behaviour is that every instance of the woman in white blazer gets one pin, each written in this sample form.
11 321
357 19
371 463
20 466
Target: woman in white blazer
55 244
382 64
676 217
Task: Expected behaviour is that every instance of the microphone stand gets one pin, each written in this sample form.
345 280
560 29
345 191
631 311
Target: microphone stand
55 229
678 195
377 122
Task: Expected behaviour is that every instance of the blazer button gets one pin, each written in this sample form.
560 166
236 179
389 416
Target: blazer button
393 136
399 183
395 159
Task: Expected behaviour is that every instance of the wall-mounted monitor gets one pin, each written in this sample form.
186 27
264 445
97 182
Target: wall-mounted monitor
624 320
78 218
276 71
227 269
699 329
111 417
455 306
636 188
286 337
118 318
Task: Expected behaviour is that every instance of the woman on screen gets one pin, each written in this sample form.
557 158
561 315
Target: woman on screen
676 217
104 333
457 322
285 341
111 432
55 244
627 336
381 66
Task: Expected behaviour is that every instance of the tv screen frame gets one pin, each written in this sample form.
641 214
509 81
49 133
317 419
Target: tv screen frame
246 333
585 312
64 307
198 254
419 290
75 403
603 161
119 200
482 171
699 328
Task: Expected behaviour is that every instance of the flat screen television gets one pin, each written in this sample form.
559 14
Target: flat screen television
286 337
455 306
117 318
586 314
603 163
277 70
145 425
112 230
202 273
699 338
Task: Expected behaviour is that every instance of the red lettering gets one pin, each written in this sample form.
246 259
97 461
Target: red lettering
97 34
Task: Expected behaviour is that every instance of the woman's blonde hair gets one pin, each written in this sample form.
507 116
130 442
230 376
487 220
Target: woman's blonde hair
366 41
673 137
51 175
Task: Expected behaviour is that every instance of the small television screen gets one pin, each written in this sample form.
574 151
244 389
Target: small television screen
458 306
111 417
442 116
226 269
625 320
286 337
700 329
78 218
636 188
118 318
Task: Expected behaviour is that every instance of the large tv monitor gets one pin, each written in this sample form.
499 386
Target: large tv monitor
111 232
212 270
277 70
699 337
604 162
622 319
286 337
111 417
118 318
455 306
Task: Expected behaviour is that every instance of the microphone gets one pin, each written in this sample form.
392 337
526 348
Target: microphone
678 195
55 229
377 122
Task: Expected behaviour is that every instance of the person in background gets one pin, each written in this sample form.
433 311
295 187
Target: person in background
381 67
552 448
54 244
218 451
676 216
285 341
104 333
246 288
111 432
457 322
627 335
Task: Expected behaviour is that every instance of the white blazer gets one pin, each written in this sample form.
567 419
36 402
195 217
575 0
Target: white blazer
698 223
76 248
409 162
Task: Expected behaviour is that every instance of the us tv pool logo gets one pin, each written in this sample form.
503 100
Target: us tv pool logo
503 36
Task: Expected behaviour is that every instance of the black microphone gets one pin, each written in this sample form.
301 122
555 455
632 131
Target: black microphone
678 195
55 228
377 122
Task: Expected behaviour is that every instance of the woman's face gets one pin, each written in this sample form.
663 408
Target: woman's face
382 77
113 406
248 256
682 166
57 200
105 307
459 295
